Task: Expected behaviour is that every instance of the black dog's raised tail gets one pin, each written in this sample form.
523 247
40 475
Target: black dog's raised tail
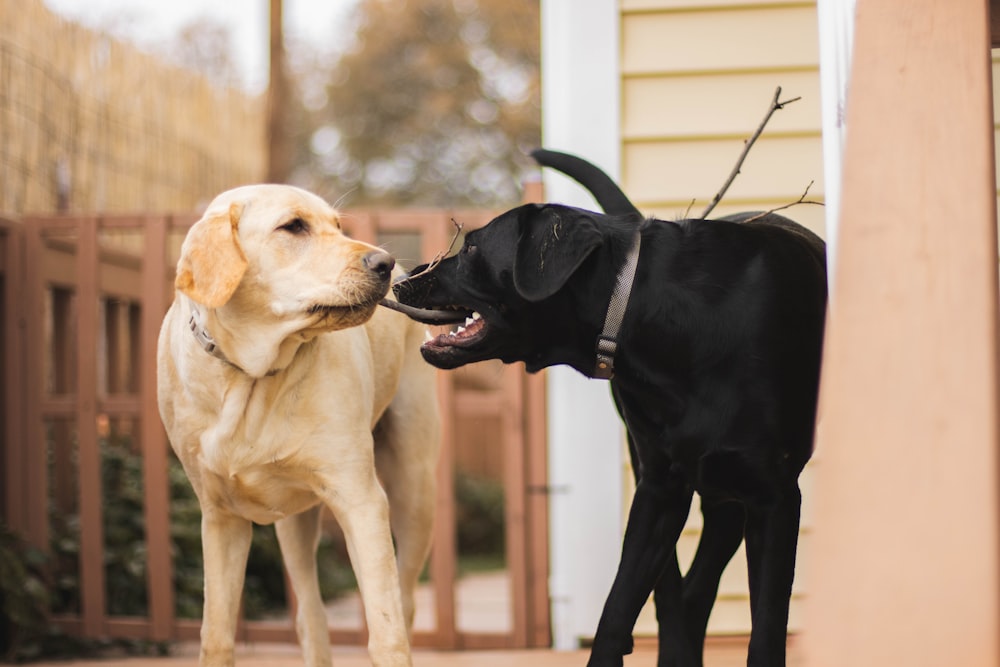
605 191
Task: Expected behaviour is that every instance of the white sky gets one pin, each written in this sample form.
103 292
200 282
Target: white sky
149 22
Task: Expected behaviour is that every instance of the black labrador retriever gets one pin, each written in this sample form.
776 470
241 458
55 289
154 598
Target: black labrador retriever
713 351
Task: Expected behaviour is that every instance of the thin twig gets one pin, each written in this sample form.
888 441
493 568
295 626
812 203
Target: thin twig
687 211
801 200
438 257
775 105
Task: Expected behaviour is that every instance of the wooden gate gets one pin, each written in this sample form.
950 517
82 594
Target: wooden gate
82 302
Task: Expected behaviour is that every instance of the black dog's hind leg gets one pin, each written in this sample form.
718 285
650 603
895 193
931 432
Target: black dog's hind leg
659 509
678 643
675 648
721 534
772 536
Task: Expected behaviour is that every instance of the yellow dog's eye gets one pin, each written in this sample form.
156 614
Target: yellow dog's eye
296 226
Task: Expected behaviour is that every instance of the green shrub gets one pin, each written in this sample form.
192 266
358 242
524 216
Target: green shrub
24 597
479 516
125 548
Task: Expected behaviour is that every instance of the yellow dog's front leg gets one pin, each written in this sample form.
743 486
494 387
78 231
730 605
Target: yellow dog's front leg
298 536
361 508
225 543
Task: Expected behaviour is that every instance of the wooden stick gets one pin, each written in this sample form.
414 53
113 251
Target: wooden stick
801 200
775 105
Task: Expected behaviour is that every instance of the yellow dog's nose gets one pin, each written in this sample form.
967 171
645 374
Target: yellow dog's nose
380 262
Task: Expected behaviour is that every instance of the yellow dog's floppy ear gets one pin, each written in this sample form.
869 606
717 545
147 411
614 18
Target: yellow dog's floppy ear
212 262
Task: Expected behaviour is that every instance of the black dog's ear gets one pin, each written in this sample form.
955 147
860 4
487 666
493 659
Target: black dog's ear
553 242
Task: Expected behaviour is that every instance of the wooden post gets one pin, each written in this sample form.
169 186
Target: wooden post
153 439
537 511
515 492
92 590
15 501
906 538
36 485
444 551
278 93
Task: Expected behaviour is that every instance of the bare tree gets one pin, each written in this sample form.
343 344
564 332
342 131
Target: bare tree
434 102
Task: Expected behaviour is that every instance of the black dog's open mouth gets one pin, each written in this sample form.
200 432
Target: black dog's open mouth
470 333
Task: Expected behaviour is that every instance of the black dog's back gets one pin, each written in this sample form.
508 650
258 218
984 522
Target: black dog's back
614 201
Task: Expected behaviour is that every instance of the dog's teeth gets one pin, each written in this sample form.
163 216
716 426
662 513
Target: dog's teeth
427 336
469 321
476 316
458 331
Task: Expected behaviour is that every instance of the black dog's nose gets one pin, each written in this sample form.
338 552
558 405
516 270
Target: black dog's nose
380 262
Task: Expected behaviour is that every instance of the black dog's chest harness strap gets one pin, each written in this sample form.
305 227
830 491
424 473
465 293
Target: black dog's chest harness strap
607 342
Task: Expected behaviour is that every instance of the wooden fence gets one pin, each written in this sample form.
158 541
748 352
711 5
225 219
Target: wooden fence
82 302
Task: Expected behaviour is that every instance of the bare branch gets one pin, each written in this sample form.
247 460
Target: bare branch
687 211
775 105
801 200
440 256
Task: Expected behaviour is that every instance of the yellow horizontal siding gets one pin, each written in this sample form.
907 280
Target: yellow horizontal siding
655 107
731 613
778 169
770 37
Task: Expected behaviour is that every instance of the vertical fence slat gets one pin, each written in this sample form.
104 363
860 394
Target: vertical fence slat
92 577
514 494
536 510
536 484
159 571
443 554
36 470
15 464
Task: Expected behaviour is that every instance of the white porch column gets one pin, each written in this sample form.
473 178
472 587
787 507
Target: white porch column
580 115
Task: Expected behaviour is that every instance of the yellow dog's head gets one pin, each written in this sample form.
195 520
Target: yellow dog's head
279 251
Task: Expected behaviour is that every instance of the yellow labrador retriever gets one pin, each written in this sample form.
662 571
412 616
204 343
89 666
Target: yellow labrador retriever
282 390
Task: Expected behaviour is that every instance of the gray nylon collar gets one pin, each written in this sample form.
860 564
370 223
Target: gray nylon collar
607 342
208 343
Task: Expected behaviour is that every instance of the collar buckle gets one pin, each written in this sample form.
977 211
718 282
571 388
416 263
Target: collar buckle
606 348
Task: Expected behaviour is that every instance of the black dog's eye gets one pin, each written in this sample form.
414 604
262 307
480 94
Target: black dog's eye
468 249
296 226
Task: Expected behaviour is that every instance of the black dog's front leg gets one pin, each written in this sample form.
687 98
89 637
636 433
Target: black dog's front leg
772 535
659 510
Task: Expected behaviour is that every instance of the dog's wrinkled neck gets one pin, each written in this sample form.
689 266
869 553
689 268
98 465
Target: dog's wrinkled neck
199 329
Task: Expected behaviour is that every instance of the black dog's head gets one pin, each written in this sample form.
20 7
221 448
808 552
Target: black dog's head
513 279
